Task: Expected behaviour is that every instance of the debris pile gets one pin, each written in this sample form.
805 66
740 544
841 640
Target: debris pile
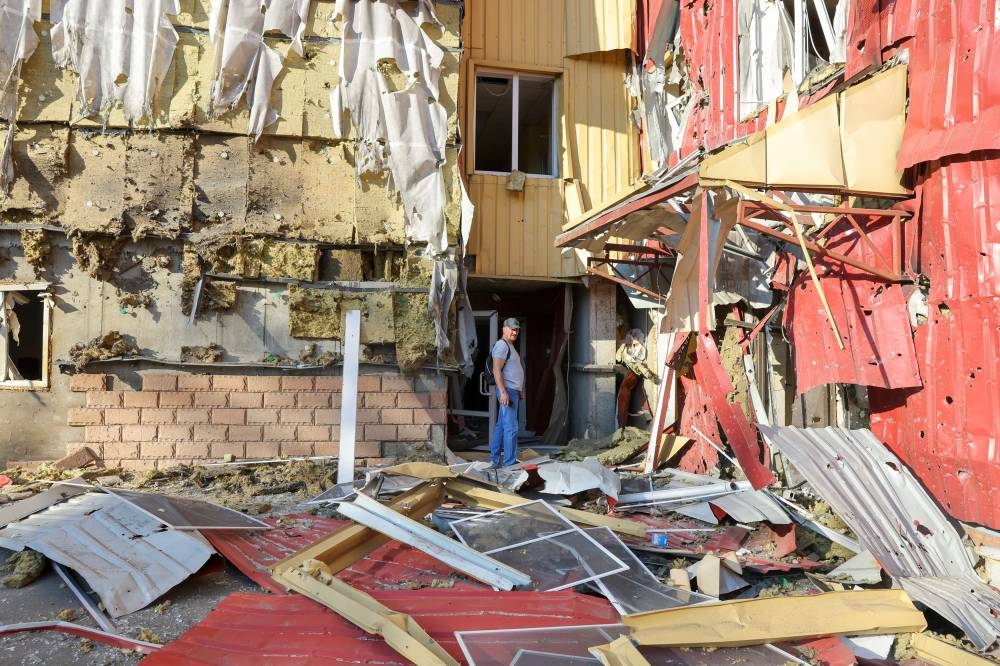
110 345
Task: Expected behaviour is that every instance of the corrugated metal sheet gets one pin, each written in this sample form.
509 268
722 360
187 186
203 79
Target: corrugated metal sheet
122 553
896 520
391 567
954 87
252 629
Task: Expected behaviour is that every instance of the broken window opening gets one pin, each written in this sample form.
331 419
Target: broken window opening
779 36
516 124
24 335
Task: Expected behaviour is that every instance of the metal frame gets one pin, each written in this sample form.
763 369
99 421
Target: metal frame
459 556
46 297
349 396
654 259
123 496
751 215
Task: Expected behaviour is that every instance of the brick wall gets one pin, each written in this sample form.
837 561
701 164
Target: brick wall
183 418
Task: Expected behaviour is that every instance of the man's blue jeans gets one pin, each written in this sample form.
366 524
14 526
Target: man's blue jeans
505 431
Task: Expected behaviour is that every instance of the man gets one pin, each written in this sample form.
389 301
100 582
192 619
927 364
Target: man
632 355
509 375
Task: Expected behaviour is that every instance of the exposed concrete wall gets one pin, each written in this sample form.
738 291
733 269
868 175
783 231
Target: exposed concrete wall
592 375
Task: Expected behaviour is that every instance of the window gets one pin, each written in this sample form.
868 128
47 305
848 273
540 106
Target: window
515 123
24 336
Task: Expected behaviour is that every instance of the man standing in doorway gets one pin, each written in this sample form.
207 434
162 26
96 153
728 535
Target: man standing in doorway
509 375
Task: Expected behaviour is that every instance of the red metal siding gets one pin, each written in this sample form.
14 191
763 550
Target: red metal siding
254 629
954 81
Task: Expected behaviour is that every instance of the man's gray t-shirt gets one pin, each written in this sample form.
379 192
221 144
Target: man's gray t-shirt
513 373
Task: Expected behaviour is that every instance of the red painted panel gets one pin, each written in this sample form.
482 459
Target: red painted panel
254 629
954 81
961 239
948 431
390 567
696 412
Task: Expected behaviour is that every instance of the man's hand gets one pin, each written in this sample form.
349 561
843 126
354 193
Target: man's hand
504 398
522 395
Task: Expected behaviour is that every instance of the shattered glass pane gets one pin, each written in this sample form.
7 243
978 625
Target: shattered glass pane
637 590
183 513
536 539
556 646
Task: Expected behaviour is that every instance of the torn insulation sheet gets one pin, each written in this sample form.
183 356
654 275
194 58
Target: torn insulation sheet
120 51
17 42
243 65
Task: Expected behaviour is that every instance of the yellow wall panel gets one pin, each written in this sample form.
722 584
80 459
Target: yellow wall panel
599 25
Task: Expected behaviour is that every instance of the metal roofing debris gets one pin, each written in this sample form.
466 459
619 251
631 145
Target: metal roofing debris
56 493
295 629
370 513
896 520
571 478
775 619
99 616
637 590
89 633
184 513
539 540
125 556
119 56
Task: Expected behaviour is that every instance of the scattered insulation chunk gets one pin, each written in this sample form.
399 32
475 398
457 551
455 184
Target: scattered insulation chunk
121 51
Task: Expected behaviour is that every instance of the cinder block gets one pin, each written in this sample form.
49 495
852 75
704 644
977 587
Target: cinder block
326 448
296 448
156 450
192 449
313 400
246 400
245 433
279 400
263 384
84 417
278 433
397 383
177 398
121 450
223 449
213 399
192 416
413 433
326 383
140 398
438 399
157 416
368 416
210 433
121 416
135 464
327 417
295 416
368 383
171 463
138 433
194 383
263 449
397 416
379 400
104 399
102 434
313 433
174 433
297 384
229 416
429 416
380 433
229 383
88 382
262 416
367 449
159 383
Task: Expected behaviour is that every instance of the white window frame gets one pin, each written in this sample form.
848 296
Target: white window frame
554 129
31 384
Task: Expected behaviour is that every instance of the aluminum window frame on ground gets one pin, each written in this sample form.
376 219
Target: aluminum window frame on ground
558 518
250 523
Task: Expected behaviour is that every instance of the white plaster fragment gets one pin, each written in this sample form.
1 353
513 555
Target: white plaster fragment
120 49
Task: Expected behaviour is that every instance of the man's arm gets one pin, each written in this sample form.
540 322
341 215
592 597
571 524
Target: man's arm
498 364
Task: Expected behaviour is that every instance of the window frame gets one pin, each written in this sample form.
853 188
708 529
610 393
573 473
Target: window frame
30 384
515 76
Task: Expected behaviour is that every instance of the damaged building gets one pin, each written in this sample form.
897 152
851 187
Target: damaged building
254 255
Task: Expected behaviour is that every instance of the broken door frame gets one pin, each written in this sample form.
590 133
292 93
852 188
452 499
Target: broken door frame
491 413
